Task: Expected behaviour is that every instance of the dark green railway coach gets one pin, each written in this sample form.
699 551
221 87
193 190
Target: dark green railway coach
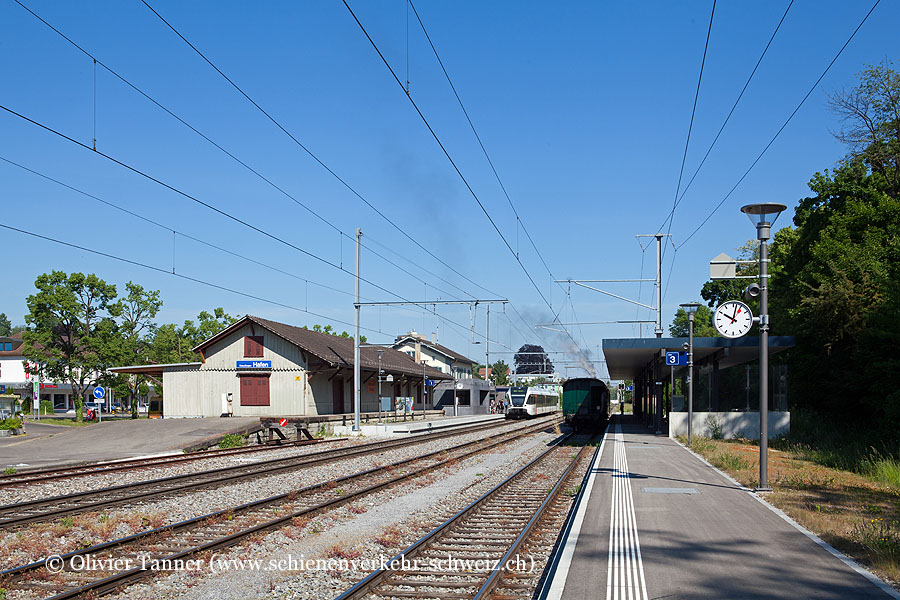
586 403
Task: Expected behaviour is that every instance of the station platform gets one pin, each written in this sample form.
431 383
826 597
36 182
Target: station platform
414 427
655 521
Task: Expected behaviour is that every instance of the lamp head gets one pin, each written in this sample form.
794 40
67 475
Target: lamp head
690 307
763 216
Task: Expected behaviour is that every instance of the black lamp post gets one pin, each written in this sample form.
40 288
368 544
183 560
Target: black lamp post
763 216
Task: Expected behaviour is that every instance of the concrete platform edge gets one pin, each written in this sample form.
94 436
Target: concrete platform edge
555 583
874 579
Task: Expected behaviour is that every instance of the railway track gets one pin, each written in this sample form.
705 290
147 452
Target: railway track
99 468
47 509
484 551
142 553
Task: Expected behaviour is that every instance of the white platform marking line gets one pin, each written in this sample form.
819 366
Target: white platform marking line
625 569
637 544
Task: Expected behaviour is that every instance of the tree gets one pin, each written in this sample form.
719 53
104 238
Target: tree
500 373
531 359
5 325
72 334
703 326
871 114
719 291
137 311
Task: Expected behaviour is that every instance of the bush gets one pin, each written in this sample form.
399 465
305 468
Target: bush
232 440
11 423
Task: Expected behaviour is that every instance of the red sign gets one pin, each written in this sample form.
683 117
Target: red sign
282 422
47 386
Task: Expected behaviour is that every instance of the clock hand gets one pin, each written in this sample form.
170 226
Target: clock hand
736 311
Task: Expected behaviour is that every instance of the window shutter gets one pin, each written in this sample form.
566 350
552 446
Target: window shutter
253 346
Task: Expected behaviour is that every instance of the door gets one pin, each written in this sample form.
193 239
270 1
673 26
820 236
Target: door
337 393
255 390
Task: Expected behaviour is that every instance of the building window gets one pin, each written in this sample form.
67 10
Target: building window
253 346
411 353
7 346
254 390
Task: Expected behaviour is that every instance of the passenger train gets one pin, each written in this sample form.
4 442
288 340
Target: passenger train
586 403
531 401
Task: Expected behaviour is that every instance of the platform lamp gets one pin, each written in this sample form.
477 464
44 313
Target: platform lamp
763 216
690 308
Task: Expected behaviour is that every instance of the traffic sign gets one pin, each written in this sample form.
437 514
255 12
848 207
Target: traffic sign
429 382
629 388
676 359
283 422
99 392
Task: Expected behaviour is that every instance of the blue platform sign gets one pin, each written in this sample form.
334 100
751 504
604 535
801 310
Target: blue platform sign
254 364
676 359
99 392
429 382
629 388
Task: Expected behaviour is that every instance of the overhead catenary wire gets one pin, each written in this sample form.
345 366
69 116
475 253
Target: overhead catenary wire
452 163
478 138
238 160
777 133
687 141
312 155
176 232
205 204
728 116
446 154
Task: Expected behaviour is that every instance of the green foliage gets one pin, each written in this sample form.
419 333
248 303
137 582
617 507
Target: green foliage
11 423
9 471
717 292
703 326
232 440
532 359
5 325
331 331
500 373
73 333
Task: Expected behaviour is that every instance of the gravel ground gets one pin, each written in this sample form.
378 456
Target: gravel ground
59 487
376 527
37 541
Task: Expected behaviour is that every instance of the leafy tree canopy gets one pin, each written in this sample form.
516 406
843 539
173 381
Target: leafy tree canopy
703 326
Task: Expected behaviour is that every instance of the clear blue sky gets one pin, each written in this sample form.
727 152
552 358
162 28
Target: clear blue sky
583 106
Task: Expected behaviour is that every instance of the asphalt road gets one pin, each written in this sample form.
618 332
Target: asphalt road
46 445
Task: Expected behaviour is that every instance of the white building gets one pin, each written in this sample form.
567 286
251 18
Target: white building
445 360
258 367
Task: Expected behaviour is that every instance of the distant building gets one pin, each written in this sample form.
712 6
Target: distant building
15 380
421 349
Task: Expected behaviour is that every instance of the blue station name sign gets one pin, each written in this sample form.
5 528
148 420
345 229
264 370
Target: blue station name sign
254 364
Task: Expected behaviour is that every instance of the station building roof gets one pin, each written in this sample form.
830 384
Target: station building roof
626 358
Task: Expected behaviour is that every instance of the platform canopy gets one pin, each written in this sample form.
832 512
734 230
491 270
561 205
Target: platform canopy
626 358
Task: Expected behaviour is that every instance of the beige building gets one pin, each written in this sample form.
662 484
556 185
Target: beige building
445 360
258 367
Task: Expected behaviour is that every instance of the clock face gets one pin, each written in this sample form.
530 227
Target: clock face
733 319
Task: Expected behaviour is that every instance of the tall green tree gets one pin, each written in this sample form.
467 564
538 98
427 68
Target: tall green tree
5 325
500 373
136 328
72 334
703 326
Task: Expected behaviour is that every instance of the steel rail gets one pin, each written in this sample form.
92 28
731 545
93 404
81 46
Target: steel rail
99 468
229 475
370 582
116 581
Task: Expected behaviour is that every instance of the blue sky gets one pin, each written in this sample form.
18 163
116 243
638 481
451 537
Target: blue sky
583 107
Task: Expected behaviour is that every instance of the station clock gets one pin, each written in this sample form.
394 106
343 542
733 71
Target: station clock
733 319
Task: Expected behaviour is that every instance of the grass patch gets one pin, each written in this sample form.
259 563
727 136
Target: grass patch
232 440
856 508
9 471
66 422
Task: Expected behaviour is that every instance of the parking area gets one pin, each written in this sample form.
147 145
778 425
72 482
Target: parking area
49 445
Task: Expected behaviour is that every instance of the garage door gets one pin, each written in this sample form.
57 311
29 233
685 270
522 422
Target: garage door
255 390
